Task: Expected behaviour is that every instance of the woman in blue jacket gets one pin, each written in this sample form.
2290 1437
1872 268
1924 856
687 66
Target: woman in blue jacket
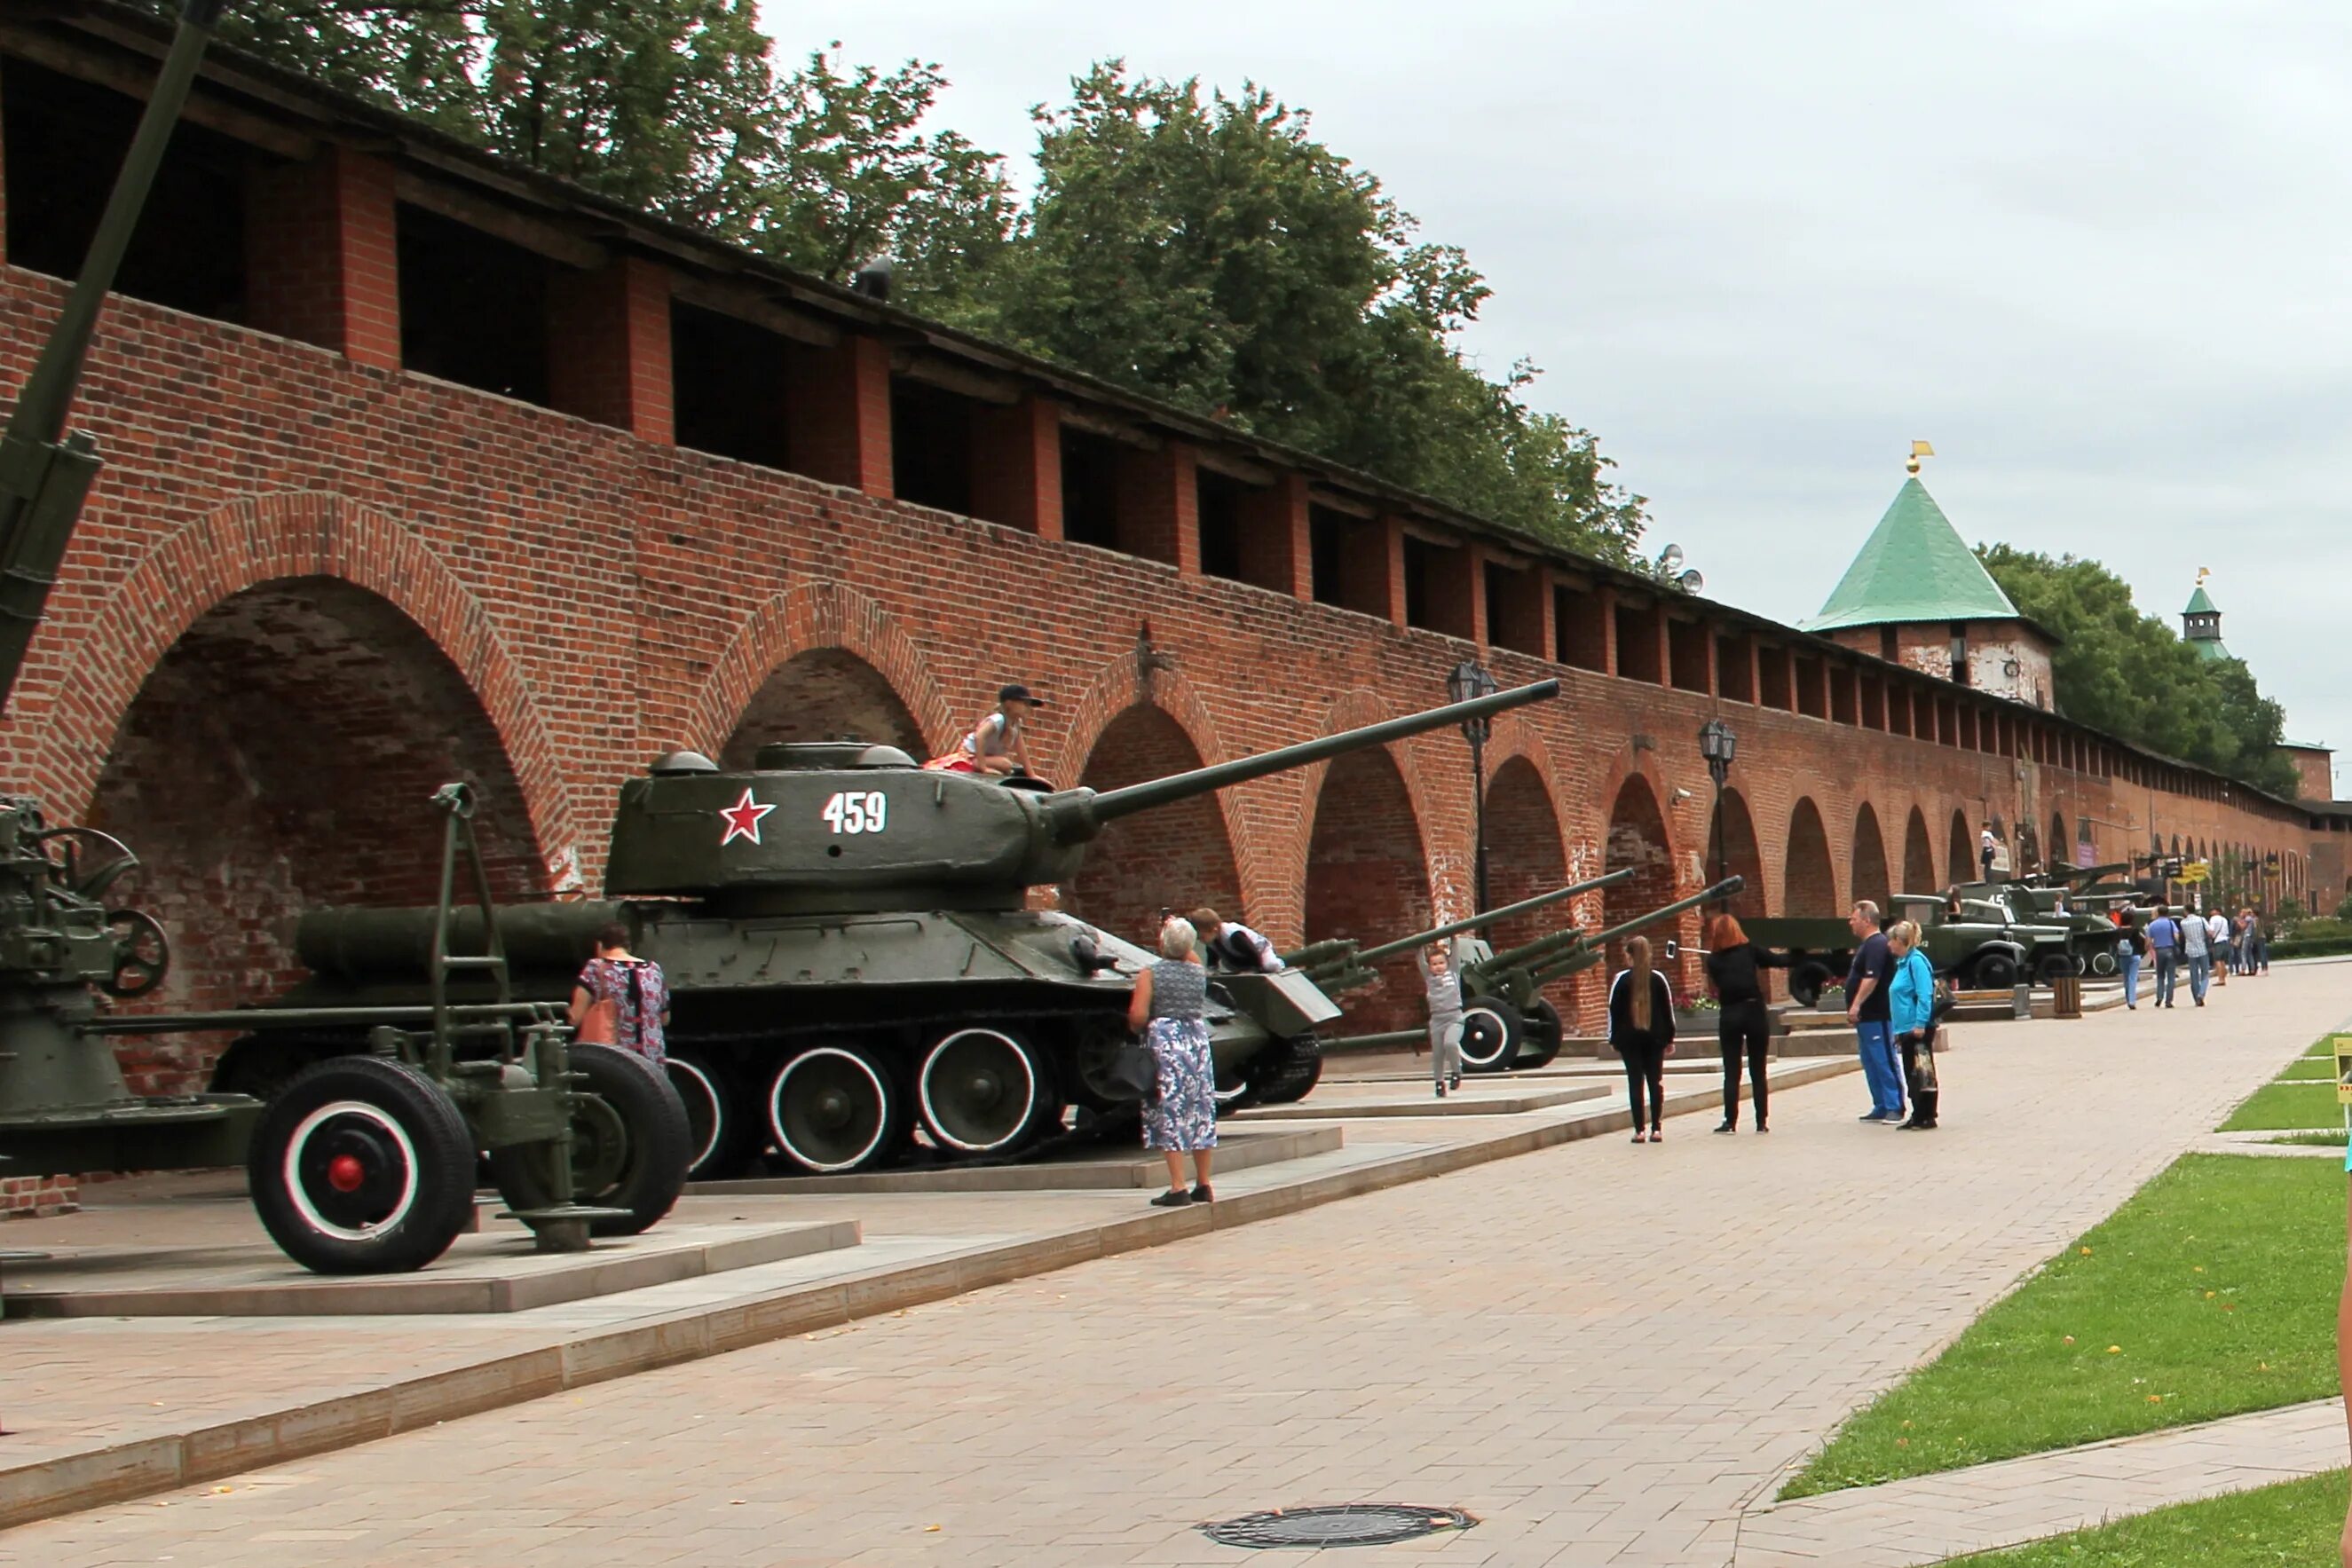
1911 1010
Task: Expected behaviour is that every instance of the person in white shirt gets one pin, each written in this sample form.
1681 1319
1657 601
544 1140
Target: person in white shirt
2217 936
1233 948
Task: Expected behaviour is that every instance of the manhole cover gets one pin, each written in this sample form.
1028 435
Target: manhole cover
1347 1524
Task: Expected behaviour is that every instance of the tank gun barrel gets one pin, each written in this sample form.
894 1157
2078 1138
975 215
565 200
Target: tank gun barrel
1079 815
44 475
1492 916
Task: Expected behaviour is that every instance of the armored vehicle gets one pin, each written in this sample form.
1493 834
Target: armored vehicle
366 1163
851 953
2075 898
1986 949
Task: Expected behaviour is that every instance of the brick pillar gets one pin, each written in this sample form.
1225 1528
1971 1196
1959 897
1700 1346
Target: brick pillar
1606 600
322 255
608 346
1160 507
838 409
1277 548
1546 614
1375 570
1016 471
4 200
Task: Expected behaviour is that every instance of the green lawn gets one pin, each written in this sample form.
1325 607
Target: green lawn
2209 1292
2287 1106
2309 1068
2293 1525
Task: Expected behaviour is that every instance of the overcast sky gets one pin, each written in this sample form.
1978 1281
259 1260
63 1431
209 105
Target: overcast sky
2093 251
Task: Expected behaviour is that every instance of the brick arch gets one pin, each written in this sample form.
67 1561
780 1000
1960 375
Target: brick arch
1367 875
2061 852
1525 854
265 538
1180 856
1732 848
1962 848
1809 878
814 615
1284 821
1868 873
1919 856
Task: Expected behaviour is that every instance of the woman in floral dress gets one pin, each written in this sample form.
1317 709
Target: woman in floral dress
1170 1003
637 990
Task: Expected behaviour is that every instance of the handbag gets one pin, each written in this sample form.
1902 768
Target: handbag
599 1025
1134 1071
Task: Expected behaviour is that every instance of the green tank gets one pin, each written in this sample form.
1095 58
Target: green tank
853 960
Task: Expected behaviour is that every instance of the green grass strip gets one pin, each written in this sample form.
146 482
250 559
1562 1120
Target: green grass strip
2309 1070
2291 1525
2211 1291
2287 1107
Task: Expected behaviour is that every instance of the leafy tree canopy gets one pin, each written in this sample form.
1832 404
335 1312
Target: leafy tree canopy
2131 675
1200 247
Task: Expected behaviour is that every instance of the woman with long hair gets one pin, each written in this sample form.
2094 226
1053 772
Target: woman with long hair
1734 968
1641 1027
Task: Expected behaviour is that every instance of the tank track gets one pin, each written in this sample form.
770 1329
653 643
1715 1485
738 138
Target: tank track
1292 1069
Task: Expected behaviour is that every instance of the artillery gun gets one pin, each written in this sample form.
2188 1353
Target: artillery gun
366 1165
851 954
1343 963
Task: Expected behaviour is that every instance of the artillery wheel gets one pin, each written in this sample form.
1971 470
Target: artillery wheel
1545 1035
631 1144
2057 966
1996 972
1806 981
1235 1088
361 1166
2102 963
836 1108
1491 1032
722 1132
1286 1070
985 1091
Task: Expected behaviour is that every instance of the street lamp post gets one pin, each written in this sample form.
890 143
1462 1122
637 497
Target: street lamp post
1468 682
1717 745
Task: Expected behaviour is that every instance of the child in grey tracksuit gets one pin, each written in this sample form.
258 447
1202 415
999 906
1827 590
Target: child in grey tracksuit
1444 989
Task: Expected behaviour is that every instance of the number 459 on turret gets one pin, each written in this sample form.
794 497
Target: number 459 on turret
858 811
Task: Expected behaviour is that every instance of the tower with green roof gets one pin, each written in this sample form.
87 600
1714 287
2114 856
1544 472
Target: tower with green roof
1917 595
2200 623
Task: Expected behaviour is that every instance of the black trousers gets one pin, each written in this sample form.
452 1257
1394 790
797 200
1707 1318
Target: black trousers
1744 1027
1924 1098
1646 1068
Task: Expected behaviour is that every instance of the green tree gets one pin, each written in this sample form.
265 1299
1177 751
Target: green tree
2130 675
1205 248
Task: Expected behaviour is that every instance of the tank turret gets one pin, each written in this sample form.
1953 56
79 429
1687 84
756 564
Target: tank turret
851 955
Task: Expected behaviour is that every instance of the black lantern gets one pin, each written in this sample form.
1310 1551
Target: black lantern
1718 745
1469 681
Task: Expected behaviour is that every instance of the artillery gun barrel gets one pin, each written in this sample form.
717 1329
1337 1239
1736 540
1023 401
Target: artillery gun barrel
1331 952
1729 887
1078 815
1551 948
1492 916
42 482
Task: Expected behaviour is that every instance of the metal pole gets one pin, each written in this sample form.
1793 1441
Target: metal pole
1478 805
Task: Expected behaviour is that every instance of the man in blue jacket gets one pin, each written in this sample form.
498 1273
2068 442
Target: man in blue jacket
1866 1009
2164 942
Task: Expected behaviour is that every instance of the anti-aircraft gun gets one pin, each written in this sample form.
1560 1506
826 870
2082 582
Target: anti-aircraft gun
366 1165
851 953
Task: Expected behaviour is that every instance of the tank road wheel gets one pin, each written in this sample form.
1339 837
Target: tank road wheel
835 1109
1996 972
1544 1036
1233 1089
1806 981
630 1146
1491 1031
2051 968
1286 1071
361 1166
2103 962
721 1135
984 1092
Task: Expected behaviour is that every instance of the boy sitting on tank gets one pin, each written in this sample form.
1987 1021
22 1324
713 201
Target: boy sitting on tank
1231 948
996 745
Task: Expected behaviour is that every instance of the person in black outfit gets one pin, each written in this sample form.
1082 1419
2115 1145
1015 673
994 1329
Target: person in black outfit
1641 1027
1734 968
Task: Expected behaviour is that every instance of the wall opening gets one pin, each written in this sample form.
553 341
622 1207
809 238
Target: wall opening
1368 877
1735 668
1689 643
1090 488
1638 654
473 307
1515 609
1961 849
1810 878
1420 568
1844 707
1919 856
1580 628
65 139
1870 879
1732 851
823 694
931 446
1809 686
1178 857
1327 545
1221 496
280 758
1772 680
727 386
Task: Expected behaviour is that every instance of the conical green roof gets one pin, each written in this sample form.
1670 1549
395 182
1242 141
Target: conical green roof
2201 603
1914 567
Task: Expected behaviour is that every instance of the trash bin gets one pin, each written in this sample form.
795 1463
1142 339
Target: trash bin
2066 996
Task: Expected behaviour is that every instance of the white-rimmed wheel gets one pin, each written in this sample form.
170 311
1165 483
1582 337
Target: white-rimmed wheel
1491 1028
361 1166
835 1109
984 1092
2104 962
722 1124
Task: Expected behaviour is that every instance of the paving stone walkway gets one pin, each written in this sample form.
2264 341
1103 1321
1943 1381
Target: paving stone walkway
1606 1353
1930 1518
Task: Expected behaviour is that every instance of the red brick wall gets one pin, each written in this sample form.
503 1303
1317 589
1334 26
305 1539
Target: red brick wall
591 599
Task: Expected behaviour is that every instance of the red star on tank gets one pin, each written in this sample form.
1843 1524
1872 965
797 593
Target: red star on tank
742 820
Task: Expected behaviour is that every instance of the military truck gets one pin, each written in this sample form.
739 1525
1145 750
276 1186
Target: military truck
1986 947
852 960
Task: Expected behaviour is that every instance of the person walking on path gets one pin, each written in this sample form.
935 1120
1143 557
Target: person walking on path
1642 1028
1734 969
620 999
1445 991
2164 945
2130 948
2217 937
1865 1009
2260 964
2197 949
1170 1008
1911 1010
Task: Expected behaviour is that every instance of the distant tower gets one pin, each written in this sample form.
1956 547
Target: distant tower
2200 623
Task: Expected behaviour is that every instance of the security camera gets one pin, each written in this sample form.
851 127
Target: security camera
1682 795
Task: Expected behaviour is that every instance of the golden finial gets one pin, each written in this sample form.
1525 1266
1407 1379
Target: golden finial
1918 449
2202 573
